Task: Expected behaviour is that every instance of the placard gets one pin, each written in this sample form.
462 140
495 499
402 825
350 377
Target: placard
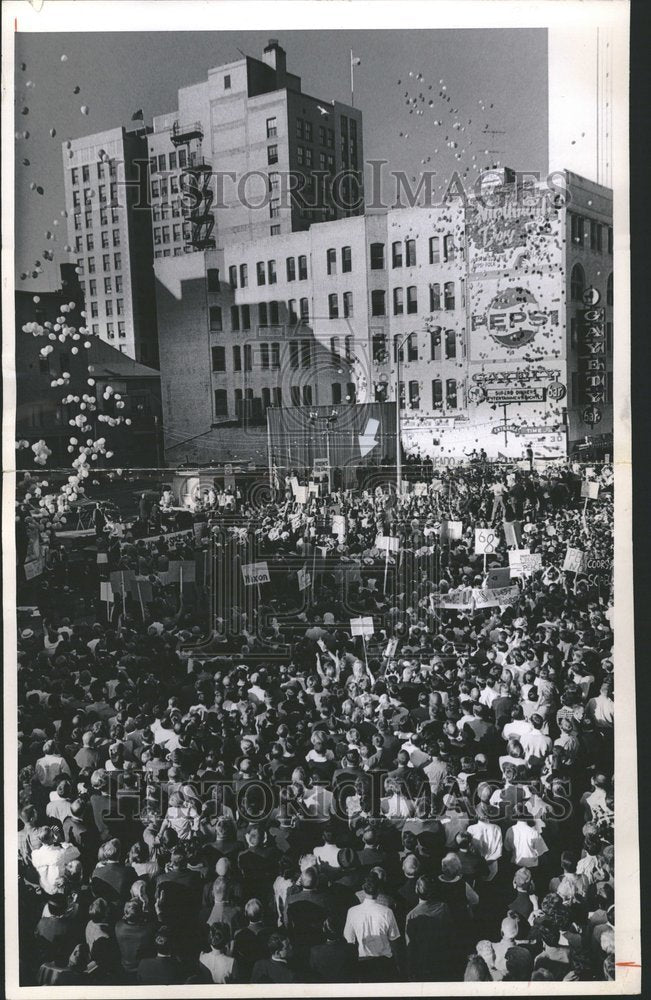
451 531
301 494
498 577
304 578
420 489
387 543
576 561
362 626
105 591
590 490
502 597
339 526
253 573
486 541
513 533
121 580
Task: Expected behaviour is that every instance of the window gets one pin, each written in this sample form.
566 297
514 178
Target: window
308 131
448 248
245 316
295 395
434 250
346 260
218 359
261 273
577 283
396 254
232 275
577 229
103 218
108 286
274 208
183 158
272 154
155 189
92 287
451 393
176 233
412 299
307 395
248 358
272 127
116 238
379 346
264 356
266 397
161 162
331 260
293 354
91 265
75 199
448 294
595 237
609 290
435 343
166 234
117 261
174 185
109 307
333 306
74 174
88 220
121 330
273 313
235 318
271 271
212 278
414 395
412 347
275 355
305 310
110 331
377 301
120 304
79 244
450 344
398 348
434 297
351 392
244 275
334 349
94 311
292 315
85 174
335 389
398 306
410 253
118 283
172 159
102 192
90 242
302 268
215 313
78 222
377 257
348 304
290 265
221 403
306 353
300 125
437 394
227 81
274 181
263 317
277 393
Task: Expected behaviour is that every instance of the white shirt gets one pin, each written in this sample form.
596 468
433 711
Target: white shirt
327 855
535 744
486 839
50 768
516 729
525 844
219 966
371 926
50 861
396 806
602 710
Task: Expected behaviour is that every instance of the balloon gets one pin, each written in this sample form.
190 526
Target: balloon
25 163
53 132
76 89
84 109
25 111
64 58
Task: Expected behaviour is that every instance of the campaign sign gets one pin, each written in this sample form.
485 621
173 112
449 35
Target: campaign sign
485 541
253 573
361 626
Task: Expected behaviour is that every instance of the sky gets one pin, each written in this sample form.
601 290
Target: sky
494 79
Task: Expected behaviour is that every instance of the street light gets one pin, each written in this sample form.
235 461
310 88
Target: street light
329 420
398 349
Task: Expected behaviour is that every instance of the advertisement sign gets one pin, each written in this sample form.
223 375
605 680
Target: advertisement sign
513 394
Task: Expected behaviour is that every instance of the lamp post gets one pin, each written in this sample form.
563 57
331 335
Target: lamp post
329 420
398 349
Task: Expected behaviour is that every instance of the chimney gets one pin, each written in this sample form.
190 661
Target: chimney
274 55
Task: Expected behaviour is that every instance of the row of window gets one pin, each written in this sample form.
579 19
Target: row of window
347 305
177 232
577 285
104 192
404 252
161 163
90 240
266 274
163 212
269 396
298 310
108 286
590 233
103 218
106 262
101 167
378 299
443 346
301 355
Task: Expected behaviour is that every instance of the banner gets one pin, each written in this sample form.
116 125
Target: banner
500 597
455 601
513 533
361 626
255 573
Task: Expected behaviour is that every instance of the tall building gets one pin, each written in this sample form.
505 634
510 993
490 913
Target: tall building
109 230
247 155
494 317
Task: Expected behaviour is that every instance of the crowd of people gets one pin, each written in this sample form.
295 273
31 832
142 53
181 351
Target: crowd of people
229 782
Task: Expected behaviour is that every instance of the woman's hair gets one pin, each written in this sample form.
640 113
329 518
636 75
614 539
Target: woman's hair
220 935
133 912
476 971
99 911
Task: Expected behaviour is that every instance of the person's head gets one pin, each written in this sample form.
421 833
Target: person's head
519 963
220 936
133 912
333 927
476 970
371 886
450 868
509 926
309 879
278 946
99 911
522 881
253 911
426 888
163 941
110 851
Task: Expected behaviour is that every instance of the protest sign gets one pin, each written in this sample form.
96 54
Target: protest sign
451 531
513 533
575 560
105 591
253 573
301 494
387 543
498 577
339 526
499 597
590 490
121 580
485 541
304 578
460 600
361 626
420 489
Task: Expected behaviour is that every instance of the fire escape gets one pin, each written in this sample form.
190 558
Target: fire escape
195 183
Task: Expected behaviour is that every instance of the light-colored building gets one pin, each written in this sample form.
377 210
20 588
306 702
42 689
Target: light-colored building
478 308
248 155
109 231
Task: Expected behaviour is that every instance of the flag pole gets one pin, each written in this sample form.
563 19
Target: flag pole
352 81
